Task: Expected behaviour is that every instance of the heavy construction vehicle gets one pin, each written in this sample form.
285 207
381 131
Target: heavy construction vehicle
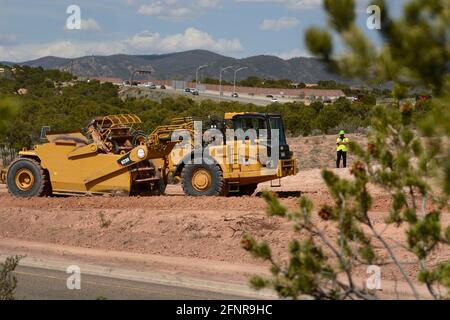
117 133
117 158
107 163
225 174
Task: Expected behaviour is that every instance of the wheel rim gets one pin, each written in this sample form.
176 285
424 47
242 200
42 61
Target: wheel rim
141 140
24 179
201 180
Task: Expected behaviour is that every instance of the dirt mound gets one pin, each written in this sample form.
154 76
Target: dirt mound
173 225
320 151
208 228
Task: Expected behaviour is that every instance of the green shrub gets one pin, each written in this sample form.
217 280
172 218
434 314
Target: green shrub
8 282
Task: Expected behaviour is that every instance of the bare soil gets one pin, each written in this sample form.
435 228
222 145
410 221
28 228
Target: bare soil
320 151
201 229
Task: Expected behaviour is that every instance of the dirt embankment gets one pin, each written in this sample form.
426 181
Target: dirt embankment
175 225
320 151
209 229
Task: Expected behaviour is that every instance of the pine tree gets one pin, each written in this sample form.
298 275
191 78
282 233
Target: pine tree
8 281
408 155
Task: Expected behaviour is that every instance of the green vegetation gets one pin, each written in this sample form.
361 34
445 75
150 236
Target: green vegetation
255 82
65 104
8 281
407 156
54 99
9 106
322 263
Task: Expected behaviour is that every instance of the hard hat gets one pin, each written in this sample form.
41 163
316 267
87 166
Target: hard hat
342 132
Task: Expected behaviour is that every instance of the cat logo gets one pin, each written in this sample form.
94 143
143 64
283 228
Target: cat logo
125 161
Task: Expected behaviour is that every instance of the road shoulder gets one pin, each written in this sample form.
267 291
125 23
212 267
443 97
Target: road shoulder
213 276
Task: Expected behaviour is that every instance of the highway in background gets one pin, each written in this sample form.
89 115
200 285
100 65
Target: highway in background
256 101
214 95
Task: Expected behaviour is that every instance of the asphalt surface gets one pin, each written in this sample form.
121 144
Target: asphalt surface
226 97
258 102
43 284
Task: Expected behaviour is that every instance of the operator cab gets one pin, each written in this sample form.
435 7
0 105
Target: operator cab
259 121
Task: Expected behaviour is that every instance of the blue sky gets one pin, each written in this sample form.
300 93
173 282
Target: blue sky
239 28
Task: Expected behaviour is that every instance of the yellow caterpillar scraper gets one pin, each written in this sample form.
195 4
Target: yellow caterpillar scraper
70 164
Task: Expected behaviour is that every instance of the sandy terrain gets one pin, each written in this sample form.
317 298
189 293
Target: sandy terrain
320 151
176 226
198 230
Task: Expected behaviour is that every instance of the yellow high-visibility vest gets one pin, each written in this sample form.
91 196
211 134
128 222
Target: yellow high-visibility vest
342 147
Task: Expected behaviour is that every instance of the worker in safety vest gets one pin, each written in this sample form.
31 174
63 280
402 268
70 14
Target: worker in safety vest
342 148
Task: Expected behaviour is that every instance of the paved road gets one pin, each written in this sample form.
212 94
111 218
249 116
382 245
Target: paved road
226 97
258 102
43 284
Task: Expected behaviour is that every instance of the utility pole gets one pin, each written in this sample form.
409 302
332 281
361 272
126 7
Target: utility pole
71 67
220 80
196 75
235 73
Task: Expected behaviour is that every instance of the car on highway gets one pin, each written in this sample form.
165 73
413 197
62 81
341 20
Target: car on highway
163 87
187 90
150 85
269 96
274 100
235 95
195 92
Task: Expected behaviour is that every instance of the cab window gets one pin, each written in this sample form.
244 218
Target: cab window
277 124
251 123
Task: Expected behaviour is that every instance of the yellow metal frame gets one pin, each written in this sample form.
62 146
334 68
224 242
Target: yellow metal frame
121 120
108 123
163 134
75 169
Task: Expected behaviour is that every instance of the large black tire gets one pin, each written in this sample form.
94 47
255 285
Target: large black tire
160 188
247 190
202 180
161 191
26 178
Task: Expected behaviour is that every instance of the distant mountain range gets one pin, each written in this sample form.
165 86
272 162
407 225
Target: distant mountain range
182 66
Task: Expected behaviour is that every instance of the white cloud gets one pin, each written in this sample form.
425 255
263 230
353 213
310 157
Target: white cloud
191 39
361 5
291 4
87 25
152 9
294 53
66 49
90 25
179 12
142 43
175 9
279 24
